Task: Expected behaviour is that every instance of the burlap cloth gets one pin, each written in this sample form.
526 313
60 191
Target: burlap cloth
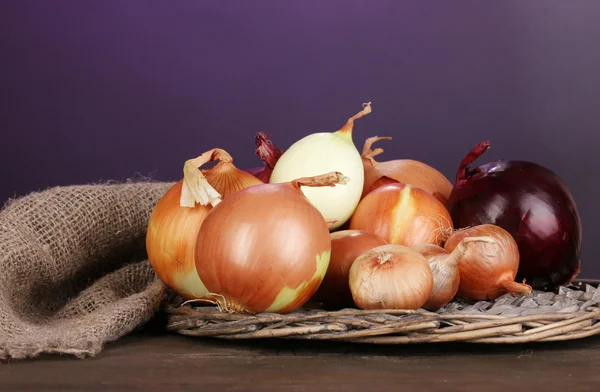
73 268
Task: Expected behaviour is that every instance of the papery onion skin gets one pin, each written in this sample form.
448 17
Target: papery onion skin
346 246
264 249
402 214
268 153
406 171
533 204
390 277
173 229
487 270
325 152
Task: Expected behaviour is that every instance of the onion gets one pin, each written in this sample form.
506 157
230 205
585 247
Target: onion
390 277
406 171
267 152
346 246
487 270
403 214
444 265
321 153
173 227
265 248
530 202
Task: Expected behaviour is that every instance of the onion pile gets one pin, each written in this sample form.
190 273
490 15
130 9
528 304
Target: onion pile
320 222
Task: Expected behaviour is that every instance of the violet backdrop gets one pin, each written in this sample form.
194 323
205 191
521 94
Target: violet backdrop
99 90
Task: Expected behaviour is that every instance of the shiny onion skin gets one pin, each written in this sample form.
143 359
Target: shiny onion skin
487 270
265 248
404 215
406 171
533 204
346 246
268 153
444 265
390 277
173 229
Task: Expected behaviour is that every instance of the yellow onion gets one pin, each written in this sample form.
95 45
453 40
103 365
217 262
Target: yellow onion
406 171
346 246
174 223
487 270
390 277
265 248
444 265
404 215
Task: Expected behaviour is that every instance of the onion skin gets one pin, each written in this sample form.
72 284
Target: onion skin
268 153
406 171
346 246
487 270
173 229
390 277
264 248
530 202
402 214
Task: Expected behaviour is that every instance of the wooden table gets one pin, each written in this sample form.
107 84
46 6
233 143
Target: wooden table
152 361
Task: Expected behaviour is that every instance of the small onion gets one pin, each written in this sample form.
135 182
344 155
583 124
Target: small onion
175 220
265 248
406 171
346 246
444 265
390 277
487 270
404 215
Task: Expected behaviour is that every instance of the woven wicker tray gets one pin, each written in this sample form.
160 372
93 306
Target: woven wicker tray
572 312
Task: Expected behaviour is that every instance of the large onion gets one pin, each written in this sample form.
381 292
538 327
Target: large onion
533 204
265 248
407 171
173 228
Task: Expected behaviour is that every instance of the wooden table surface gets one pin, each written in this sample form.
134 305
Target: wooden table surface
153 361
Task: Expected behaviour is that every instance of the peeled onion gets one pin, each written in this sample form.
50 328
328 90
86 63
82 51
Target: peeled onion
390 277
404 215
487 270
265 248
346 246
406 171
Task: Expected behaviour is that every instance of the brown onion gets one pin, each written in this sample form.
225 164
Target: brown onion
173 228
265 248
390 277
346 246
402 214
487 270
444 265
406 171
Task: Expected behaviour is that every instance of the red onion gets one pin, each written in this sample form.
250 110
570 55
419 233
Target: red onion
533 204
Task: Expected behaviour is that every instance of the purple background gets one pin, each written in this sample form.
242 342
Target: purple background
103 90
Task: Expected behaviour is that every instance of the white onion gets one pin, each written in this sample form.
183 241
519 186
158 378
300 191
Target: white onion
325 152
